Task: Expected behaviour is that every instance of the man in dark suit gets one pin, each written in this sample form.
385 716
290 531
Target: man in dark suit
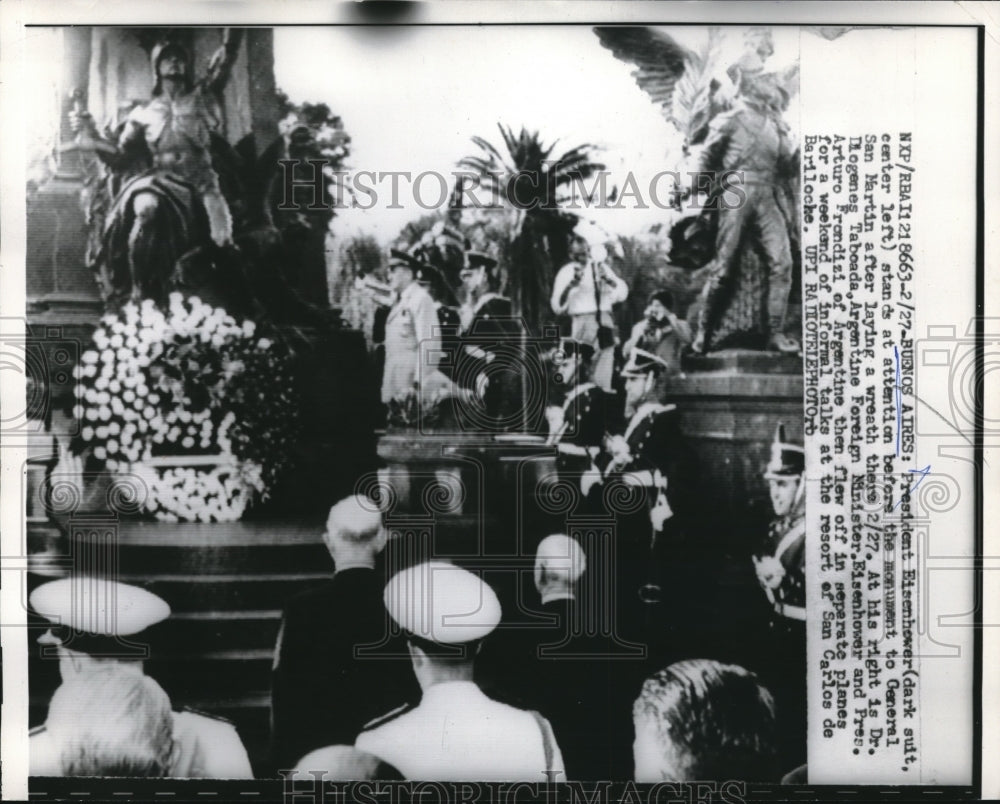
582 682
335 665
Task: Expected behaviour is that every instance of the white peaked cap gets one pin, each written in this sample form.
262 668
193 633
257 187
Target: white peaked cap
442 603
98 606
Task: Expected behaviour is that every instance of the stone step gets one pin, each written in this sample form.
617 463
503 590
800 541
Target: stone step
199 593
213 674
188 632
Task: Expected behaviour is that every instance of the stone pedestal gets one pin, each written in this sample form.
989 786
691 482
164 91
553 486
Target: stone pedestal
730 407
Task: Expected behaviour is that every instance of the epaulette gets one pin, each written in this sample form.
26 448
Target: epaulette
36 730
388 716
198 712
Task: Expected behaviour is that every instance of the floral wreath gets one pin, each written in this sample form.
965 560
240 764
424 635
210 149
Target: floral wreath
196 405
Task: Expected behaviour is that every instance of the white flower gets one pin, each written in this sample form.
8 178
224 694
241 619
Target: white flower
90 370
114 386
101 383
116 341
78 411
126 438
148 413
187 443
107 356
91 415
104 413
101 432
89 356
264 343
87 433
128 395
100 453
112 446
123 354
77 372
114 428
117 407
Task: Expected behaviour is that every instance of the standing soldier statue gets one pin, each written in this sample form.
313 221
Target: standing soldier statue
174 203
752 143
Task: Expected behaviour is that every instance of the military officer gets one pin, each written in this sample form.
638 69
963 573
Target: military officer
780 562
95 621
457 733
651 459
411 330
490 360
577 427
780 566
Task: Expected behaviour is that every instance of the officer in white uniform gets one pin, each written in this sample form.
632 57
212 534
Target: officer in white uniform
457 732
96 621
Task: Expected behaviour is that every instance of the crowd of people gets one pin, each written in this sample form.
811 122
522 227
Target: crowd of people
409 678
416 672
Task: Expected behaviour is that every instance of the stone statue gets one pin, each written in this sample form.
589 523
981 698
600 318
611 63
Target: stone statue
168 199
753 235
729 112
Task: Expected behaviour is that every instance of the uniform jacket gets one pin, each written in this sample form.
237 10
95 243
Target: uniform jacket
656 444
588 412
207 748
457 733
490 333
412 321
323 694
786 540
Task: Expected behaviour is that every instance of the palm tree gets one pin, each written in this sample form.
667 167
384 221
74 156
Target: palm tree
527 180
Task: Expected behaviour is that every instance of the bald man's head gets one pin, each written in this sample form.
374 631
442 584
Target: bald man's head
354 531
559 563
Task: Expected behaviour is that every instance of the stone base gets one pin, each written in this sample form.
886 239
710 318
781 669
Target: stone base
730 411
744 361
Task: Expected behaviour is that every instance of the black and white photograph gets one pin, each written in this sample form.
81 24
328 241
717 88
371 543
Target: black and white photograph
498 404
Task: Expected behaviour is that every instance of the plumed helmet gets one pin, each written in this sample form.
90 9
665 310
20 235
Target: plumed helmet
787 459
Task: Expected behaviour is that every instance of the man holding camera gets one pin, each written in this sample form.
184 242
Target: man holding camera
586 289
660 332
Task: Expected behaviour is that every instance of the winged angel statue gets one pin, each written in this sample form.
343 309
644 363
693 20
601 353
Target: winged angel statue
730 112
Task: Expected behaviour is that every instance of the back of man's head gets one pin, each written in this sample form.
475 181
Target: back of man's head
342 763
354 525
559 563
700 719
112 721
